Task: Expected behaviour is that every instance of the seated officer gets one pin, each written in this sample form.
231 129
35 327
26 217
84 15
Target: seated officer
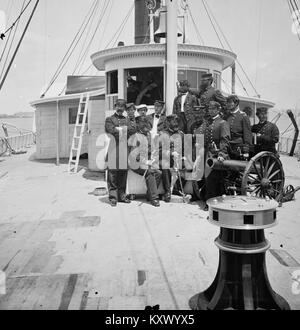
142 111
267 133
171 142
199 116
240 130
158 118
143 159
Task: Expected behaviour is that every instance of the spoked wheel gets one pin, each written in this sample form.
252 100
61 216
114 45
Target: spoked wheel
264 176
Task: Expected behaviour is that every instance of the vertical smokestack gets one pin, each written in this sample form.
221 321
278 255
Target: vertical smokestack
142 32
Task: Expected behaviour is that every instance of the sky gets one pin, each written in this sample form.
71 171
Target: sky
259 32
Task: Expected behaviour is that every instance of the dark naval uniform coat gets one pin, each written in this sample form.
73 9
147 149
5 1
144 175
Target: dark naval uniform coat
132 126
241 135
117 168
216 143
186 119
211 94
269 137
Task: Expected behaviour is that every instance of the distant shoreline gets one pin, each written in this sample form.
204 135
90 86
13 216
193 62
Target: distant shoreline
29 115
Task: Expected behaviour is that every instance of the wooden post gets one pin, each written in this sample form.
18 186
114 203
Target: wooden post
151 16
172 55
233 83
57 134
121 84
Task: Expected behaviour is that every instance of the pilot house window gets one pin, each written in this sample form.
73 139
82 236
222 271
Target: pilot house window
193 76
145 86
112 82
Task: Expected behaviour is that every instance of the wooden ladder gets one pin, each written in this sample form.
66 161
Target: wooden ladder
78 133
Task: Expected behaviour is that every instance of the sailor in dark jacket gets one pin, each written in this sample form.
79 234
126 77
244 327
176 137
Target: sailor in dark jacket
116 127
208 93
267 133
216 142
184 105
240 130
131 119
144 159
158 119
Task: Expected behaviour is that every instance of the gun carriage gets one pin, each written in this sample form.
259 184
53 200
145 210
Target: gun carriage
261 176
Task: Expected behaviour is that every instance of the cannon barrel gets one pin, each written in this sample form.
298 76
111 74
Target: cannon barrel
231 165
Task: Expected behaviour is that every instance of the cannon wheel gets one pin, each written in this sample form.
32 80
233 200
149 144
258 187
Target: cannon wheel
264 176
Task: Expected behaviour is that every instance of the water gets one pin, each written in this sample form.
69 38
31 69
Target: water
27 124
20 123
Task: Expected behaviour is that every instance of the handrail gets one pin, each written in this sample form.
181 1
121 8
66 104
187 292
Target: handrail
21 130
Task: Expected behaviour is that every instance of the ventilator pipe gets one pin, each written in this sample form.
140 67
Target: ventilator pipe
295 140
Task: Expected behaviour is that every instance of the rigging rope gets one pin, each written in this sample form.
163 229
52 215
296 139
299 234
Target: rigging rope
105 24
103 12
91 65
9 10
295 14
195 26
296 10
121 27
258 41
73 45
11 44
210 15
82 59
85 40
18 18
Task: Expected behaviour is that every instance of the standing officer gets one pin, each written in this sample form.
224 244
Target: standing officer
116 126
216 143
158 119
184 105
208 93
240 129
267 133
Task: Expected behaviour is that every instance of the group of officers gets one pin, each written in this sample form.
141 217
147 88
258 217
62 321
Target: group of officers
227 135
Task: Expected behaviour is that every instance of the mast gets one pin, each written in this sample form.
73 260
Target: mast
172 55
19 44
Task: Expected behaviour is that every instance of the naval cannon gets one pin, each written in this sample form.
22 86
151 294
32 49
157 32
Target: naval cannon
262 176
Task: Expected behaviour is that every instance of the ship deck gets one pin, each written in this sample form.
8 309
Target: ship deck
63 248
